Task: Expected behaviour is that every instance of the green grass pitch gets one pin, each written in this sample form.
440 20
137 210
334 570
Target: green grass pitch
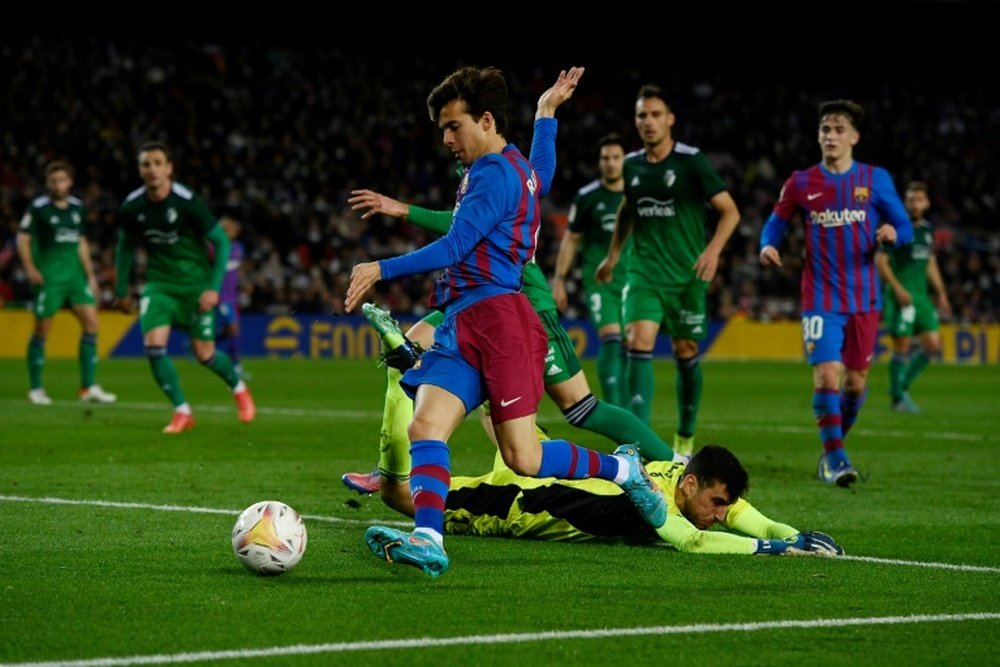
107 582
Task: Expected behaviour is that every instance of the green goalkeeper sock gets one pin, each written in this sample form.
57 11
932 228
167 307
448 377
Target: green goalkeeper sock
688 383
222 365
36 361
88 359
165 374
917 364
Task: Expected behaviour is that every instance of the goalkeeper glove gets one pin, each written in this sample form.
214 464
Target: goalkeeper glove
815 543
771 547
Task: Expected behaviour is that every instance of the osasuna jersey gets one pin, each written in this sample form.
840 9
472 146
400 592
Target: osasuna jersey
841 213
55 238
909 262
666 202
173 231
536 288
593 215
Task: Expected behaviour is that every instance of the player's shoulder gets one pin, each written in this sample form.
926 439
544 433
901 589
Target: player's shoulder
635 156
75 202
134 199
589 189
686 150
182 191
40 202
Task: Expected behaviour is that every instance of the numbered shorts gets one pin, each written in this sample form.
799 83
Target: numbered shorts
845 337
906 321
680 310
50 298
175 307
493 349
605 303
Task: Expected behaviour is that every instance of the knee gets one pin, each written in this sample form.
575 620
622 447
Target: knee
523 462
420 428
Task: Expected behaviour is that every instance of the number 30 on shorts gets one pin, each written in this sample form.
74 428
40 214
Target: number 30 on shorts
812 328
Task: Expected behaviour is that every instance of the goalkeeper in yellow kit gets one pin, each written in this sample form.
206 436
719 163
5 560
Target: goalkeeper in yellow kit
703 494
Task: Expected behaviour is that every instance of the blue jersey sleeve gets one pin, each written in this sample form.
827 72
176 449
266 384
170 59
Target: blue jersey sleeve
543 153
481 209
774 231
889 205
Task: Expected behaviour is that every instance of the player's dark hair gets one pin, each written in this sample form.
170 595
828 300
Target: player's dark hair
482 90
651 90
58 165
714 463
156 146
611 139
848 108
917 186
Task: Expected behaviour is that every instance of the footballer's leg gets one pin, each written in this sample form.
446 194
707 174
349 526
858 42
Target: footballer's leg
567 386
397 411
202 331
823 335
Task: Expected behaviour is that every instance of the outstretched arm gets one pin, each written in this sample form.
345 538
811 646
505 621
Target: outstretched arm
543 142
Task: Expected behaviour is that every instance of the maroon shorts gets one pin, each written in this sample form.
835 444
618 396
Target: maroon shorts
505 341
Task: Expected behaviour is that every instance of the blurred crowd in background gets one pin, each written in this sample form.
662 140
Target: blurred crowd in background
278 136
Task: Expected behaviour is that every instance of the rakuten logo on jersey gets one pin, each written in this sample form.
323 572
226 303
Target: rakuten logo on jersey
647 207
839 218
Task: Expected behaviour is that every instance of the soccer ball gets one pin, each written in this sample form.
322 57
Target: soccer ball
269 537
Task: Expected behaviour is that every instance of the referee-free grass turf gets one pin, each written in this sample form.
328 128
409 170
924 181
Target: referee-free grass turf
86 581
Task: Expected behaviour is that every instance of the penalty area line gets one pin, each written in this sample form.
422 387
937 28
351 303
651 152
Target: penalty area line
510 638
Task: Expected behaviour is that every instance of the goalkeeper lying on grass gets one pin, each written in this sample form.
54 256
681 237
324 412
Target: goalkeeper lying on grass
704 494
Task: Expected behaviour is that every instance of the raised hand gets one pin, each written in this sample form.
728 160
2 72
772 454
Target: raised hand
560 91
371 202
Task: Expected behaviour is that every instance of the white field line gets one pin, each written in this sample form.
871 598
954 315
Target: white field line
324 413
185 508
510 638
406 524
165 408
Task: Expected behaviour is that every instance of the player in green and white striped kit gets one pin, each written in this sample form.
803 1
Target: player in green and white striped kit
907 307
182 285
52 245
667 184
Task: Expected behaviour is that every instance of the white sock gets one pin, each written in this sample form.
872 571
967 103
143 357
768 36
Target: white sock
431 534
183 408
240 386
622 469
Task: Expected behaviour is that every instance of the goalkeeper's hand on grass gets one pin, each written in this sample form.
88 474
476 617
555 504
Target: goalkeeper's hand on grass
815 543
812 543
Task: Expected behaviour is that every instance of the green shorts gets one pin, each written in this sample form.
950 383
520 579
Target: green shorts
680 310
561 362
903 322
50 298
605 304
175 307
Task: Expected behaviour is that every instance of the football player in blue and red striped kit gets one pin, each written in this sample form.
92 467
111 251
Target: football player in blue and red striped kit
491 344
848 208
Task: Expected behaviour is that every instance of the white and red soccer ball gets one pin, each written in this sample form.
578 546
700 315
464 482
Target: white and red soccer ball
269 538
